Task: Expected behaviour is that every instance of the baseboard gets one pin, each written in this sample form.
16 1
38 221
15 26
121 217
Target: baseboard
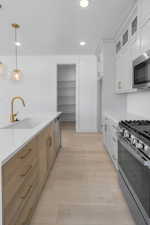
86 130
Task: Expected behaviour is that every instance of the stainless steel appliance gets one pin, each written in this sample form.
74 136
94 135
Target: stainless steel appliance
134 167
141 71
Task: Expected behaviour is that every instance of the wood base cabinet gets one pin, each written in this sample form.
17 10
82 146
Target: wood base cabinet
25 175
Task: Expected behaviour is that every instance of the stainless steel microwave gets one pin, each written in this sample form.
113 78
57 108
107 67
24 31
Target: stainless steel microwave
141 71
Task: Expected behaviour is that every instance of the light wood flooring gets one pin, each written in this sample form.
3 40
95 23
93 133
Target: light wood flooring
82 188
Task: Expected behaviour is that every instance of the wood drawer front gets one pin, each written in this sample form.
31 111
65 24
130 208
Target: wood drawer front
25 216
19 160
18 163
12 185
14 208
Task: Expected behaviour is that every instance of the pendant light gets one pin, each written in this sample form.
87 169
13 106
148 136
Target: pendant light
16 74
84 3
2 70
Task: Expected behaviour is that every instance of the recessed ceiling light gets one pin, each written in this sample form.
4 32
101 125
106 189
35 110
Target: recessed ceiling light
84 3
82 43
17 43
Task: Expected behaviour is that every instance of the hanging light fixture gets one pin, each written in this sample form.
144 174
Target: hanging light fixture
2 70
84 3
16 74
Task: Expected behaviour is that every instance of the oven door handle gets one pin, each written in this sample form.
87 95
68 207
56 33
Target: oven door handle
135 153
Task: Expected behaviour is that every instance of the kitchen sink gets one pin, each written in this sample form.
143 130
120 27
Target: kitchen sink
28 123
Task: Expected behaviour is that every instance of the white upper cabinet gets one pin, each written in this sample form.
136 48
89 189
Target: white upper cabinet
124 71
143 11
145 37
128 48
136 47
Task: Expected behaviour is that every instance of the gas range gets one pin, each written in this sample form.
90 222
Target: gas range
134 167
137 134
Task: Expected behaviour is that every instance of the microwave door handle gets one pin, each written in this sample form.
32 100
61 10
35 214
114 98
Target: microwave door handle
143 160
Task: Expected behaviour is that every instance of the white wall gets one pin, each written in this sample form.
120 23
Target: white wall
139 104
38 87
87 102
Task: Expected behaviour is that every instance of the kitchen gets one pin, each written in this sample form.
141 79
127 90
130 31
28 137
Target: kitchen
74 112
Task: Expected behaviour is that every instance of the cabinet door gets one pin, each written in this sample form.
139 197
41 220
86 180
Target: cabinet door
136 47
119 84
145 37
124 70
144 11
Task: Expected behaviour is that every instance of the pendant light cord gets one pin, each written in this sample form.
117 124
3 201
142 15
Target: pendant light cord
16 48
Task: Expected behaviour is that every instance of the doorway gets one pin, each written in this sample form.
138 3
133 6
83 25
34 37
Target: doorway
66 94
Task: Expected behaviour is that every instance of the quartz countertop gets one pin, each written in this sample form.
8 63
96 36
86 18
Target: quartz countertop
126 116
12 140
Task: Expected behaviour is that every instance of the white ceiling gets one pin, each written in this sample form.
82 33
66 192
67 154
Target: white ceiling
57 26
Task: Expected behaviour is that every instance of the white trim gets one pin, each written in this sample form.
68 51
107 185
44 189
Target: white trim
87 130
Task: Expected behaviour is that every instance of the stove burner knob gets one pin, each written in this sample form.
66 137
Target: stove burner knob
126 134
121 131
147 148
134 141
140 145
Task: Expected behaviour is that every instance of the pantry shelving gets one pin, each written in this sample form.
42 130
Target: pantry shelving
66 89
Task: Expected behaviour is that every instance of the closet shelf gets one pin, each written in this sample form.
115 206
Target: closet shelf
66 81
65 96
67 87
67 104
71 113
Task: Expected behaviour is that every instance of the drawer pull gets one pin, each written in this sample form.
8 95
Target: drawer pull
26 194
25 155
28 170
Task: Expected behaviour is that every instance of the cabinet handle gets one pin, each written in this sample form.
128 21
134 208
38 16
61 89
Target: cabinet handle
28 191
26 154
27 171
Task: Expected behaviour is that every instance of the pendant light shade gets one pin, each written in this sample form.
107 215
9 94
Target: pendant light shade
2 70
84 3
16 73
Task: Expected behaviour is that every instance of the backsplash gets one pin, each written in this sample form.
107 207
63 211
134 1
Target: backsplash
139 104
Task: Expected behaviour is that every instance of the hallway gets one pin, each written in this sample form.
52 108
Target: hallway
82 188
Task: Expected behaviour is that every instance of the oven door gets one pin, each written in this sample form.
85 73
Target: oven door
136 173
141 71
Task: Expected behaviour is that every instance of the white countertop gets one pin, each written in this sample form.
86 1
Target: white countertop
126 116
12 140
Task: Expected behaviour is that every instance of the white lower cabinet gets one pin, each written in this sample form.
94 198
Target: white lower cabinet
110 139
